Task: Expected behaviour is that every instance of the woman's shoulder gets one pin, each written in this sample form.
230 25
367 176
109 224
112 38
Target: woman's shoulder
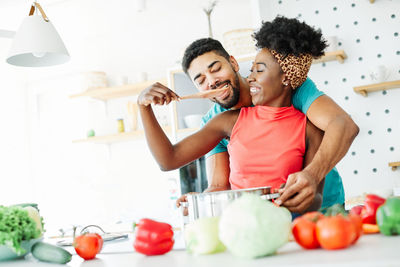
228 117
225 120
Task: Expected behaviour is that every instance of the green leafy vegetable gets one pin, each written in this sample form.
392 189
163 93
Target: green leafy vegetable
201 236
251 227
16 226
34 214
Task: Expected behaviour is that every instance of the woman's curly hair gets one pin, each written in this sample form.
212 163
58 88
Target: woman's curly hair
290 36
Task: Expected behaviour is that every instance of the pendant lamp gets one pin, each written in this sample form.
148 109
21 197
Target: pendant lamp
37 43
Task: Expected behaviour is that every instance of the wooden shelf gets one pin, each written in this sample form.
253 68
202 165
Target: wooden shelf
394 165
363 90
338 55
106 93
118 137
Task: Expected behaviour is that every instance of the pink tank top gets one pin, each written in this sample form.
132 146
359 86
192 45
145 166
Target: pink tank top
266 145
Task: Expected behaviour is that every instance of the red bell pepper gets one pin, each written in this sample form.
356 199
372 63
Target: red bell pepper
153 238
371 204
357 209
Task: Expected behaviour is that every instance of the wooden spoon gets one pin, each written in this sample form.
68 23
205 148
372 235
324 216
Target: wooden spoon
205 94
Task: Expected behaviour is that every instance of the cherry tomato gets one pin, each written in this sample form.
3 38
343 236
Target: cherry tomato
88 245
335 232
303 229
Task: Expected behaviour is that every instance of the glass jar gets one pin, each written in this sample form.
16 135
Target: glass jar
121 127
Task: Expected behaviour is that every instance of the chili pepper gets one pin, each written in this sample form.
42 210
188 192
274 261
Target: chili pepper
153 238
368 212
388 217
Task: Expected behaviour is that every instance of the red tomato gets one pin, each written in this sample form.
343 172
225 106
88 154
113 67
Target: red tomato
358 225
101 242
88 245
303 229
335 232
313 216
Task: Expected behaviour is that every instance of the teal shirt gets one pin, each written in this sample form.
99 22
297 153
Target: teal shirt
301 99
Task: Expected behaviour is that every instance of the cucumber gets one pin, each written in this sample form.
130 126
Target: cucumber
50 253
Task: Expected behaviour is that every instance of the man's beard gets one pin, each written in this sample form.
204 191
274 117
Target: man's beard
234 98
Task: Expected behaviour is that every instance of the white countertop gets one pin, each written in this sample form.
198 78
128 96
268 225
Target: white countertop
370 250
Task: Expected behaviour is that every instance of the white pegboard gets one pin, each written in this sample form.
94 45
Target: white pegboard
369 34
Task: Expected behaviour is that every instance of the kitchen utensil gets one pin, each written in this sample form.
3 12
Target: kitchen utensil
205 94
202 94
107 236
213 203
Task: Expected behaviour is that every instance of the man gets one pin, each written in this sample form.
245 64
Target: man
210 67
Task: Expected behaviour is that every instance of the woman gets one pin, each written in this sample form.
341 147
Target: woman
268 141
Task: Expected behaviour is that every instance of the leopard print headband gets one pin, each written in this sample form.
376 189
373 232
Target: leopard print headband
295 67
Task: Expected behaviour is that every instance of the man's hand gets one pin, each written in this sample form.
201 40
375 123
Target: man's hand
156 94
299 191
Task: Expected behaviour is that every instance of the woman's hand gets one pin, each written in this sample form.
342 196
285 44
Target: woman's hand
184 199
156 94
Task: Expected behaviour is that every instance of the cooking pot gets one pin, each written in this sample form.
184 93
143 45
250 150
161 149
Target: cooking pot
213 203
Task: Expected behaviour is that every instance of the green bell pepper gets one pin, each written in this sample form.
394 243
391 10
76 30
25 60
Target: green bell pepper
388 217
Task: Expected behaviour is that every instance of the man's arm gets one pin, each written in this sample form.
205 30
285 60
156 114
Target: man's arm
340 131
218 172
308 199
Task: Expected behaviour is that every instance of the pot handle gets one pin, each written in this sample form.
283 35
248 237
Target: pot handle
270 196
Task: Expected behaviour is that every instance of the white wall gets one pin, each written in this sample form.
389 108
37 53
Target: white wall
15 163
89 183
365 167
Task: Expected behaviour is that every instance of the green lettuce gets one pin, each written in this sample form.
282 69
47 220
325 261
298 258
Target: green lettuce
16 226
251 227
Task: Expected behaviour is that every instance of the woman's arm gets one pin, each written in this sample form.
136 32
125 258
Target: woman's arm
340 131
171 156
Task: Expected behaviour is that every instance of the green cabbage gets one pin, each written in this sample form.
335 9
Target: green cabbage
251 227
16 226
201 236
